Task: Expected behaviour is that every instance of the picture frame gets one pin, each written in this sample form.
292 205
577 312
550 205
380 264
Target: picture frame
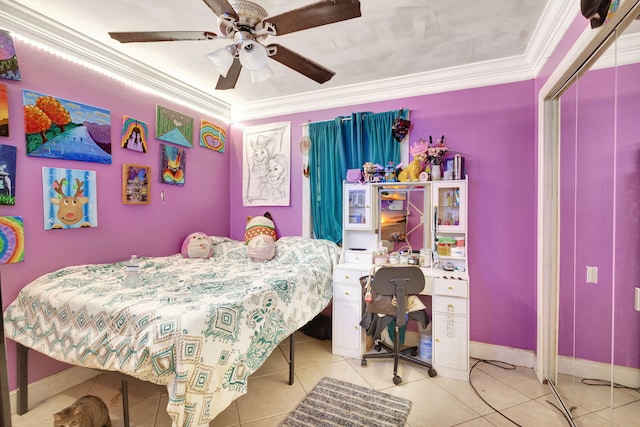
136 184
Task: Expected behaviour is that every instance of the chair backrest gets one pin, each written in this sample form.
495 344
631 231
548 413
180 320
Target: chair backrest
387 279
400 281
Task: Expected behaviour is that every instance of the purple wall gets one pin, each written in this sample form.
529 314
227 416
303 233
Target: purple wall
600 183
156 229
493 127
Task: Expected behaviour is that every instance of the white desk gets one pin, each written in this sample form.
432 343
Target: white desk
449 317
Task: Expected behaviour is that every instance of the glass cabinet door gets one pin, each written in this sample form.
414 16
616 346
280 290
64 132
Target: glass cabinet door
357 207
449 197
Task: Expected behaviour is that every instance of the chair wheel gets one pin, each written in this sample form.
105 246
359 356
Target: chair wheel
432 372
397 380
414 353
378 347
363 362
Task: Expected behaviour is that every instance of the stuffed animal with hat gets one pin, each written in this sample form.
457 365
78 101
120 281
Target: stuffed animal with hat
260 237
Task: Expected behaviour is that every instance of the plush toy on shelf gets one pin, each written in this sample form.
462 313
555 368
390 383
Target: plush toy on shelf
260 237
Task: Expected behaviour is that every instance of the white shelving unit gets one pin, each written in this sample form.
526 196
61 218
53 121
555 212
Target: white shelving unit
430 209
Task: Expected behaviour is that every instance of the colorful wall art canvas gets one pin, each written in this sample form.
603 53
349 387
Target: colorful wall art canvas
174 127
212 136
60 129
8 61
70 198
4 111
136 184
265 164
11 239
7 174
173 164
134 135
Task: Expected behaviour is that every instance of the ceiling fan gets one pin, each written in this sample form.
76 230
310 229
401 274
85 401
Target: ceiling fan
248 24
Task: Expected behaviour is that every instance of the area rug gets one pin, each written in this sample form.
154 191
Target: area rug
337 403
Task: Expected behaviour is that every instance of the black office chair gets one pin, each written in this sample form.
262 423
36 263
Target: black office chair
400 281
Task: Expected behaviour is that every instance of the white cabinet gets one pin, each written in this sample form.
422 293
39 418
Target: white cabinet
449 198
358 212
451 327
347 334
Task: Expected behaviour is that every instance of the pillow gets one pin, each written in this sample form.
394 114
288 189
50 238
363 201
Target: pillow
197 245
260 237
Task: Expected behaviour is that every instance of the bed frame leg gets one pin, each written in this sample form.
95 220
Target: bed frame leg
292 352
22 371
125 402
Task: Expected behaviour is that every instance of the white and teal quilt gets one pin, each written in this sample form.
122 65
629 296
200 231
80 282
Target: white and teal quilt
198 326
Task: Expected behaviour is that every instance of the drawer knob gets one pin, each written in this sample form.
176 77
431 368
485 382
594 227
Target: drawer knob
437 340
346 277
346 293
450 288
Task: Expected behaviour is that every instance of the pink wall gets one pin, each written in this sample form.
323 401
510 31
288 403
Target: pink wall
147 230
493 127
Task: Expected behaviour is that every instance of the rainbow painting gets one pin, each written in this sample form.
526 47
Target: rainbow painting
11 239
212 136
134 135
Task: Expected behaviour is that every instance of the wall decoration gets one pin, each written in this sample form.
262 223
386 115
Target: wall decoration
212 136
134 134
70 198
136 185
265 165
11 239
8 61
174 127
60 129
7 174
4 111
173 164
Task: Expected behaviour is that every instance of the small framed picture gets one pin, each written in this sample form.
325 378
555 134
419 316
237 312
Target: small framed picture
449 164
136 186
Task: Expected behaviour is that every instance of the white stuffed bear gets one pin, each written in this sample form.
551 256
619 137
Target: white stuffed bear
197 245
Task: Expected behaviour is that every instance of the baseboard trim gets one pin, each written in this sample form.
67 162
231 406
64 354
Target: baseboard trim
515 356
47 387
582 368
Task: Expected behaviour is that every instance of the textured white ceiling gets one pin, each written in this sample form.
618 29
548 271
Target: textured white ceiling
391 39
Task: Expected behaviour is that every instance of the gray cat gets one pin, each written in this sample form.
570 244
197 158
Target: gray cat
88 411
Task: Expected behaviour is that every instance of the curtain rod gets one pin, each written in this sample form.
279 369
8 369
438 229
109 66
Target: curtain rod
342 119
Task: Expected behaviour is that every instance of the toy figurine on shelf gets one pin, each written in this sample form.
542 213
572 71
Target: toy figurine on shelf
390 172
372 172
413 170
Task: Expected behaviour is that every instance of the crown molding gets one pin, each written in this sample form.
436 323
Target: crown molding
467 76
41 31
556 19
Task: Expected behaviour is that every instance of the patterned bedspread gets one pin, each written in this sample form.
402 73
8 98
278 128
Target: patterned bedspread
198 326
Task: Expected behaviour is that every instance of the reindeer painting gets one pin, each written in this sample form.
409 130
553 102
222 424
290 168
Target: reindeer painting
70 198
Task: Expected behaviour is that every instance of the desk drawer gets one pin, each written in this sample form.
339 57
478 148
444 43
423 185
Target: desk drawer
348 275
347 292
458 305
451 287
358 257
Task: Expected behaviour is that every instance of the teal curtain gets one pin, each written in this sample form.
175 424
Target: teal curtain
345 143
327 169
381 146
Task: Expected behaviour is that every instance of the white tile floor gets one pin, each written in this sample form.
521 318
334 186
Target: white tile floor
437 402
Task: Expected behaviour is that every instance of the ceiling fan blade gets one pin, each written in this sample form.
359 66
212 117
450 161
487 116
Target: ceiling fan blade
229 82
314 15
301 64
221 7
161 36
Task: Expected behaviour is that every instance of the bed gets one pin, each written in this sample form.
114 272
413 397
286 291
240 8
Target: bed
199 327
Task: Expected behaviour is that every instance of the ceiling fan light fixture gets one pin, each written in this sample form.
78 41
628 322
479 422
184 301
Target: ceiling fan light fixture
262 74
253 56
222 59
